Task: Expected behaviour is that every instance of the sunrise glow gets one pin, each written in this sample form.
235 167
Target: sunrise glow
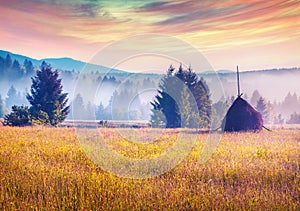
255 34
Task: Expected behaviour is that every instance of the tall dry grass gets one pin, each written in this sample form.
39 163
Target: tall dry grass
46 169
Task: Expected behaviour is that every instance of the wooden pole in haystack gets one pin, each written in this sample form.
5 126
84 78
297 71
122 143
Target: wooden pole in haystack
238 80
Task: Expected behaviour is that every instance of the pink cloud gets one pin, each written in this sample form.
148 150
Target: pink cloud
74 29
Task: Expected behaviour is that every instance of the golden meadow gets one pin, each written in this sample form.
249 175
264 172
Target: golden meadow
46 169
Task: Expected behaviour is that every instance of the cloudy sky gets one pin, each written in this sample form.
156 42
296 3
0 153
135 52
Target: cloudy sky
255 34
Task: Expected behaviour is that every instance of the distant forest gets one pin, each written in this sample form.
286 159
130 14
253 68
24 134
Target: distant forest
13 70
119 88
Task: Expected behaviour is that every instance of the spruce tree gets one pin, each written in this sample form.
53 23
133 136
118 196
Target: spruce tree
255 97
90 111
29 67
48 102
100 112
12 96
16 71
188 113
165 100
78 108
183 99
19 116
158 120
8 62
261 107
200 91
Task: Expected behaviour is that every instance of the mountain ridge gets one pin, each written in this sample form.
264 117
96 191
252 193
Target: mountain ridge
68 63
63 63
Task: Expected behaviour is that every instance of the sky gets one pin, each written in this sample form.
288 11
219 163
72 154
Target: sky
254 34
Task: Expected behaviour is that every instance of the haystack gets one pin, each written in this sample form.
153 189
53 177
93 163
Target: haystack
241 116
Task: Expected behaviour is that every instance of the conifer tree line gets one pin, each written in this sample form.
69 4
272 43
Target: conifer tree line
182 100
124 104
277 112
12 69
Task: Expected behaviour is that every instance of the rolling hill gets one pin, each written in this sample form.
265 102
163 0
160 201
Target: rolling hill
62 63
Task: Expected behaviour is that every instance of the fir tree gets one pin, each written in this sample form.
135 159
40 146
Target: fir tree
28 67
100 112
12 97
166 99
188 111
219 109
20 116
8 62
90 111
48 102
183 99
16 71
290 102
158 119
261 107
78 108
16 65
255 97
202 97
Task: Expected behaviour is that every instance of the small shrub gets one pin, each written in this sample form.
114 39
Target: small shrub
19 116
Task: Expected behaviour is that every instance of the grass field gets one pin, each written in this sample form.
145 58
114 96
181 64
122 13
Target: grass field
46 169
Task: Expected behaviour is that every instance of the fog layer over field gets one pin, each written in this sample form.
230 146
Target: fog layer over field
133 93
